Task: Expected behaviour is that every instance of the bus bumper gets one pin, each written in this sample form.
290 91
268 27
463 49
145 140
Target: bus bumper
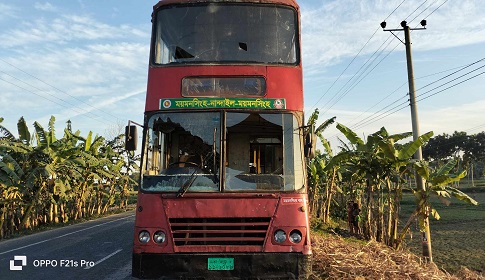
246 266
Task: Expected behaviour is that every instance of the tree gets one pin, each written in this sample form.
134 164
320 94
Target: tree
438 182
379 164
44 179
322 182
468 148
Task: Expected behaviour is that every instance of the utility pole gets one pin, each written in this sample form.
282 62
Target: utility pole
426 235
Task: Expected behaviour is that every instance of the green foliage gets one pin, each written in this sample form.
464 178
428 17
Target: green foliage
58 180
24 134
410 148
468 148
322 183
438 181
4 132
373 172
350 135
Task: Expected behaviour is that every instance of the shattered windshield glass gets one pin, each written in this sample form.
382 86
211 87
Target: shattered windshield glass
263 152
223 32
185 152
182 152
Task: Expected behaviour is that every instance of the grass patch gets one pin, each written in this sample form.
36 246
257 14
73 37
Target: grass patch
457 238
334 228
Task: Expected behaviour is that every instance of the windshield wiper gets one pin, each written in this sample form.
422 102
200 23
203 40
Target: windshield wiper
183 189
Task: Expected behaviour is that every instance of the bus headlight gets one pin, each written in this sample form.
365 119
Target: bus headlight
144 236
279 236
159 237
295 236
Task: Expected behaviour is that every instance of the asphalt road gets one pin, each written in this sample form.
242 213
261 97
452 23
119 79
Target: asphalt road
99 249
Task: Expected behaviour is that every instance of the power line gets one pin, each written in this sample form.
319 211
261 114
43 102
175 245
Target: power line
416 10
357 81
462 68
394 102
387 96
336 95
383 115
363 122
54 87
436 8
45 91
399 108
394 10
53 101
348 65
353 59
421 13
426 97
476 127
380 112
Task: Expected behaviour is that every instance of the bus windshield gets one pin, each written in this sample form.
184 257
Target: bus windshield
225 33
185 152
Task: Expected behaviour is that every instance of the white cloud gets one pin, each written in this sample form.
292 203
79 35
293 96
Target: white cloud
64 30
103 105
339 29
467 117
463 117
7 12
85 70
73 66
46 7
105 65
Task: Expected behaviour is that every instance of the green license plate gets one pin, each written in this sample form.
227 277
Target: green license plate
220 263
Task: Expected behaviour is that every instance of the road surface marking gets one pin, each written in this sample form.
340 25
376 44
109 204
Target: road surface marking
64 235
105 258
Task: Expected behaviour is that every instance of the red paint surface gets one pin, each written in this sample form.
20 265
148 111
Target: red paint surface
286 216
281 82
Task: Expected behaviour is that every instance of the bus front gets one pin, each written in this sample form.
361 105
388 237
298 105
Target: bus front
223 186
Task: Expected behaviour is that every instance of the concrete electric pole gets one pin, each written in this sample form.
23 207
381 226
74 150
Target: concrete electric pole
426 237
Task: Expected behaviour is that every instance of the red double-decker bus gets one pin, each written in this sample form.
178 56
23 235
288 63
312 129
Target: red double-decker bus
223 185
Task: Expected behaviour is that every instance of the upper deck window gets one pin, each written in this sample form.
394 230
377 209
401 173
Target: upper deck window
223 86
225 33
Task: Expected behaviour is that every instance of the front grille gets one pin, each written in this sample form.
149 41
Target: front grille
219 231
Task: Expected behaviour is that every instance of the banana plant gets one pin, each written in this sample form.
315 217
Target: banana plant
43 176
322 182
379 163
5 134
438 183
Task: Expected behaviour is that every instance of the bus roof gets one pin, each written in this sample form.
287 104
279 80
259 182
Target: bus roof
291 3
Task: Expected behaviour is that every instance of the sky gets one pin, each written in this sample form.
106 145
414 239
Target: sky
86 61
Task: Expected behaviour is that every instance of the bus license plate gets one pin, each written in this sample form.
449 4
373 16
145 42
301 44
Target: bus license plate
220 263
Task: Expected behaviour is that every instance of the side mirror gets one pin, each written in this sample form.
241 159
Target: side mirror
310 144
131 137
